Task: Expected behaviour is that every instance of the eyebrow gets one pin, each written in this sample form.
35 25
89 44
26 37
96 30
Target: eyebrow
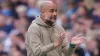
53 9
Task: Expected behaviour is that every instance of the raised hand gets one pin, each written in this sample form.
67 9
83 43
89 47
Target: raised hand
60 40
78 39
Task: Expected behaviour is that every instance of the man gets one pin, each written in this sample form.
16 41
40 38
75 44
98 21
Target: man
45 38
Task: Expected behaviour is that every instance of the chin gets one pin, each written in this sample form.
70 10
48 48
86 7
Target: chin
53 21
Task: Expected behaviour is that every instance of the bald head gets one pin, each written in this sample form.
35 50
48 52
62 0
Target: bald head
48 12
46 4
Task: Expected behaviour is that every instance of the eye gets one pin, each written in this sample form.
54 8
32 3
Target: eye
52 10
56 10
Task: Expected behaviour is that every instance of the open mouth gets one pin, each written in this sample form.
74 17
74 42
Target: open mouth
53 19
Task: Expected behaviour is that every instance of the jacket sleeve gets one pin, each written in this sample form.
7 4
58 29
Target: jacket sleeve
34 43
66 48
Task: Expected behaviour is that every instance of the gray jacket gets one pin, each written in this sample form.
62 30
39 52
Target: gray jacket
40 38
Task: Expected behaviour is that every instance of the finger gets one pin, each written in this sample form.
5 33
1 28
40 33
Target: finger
62 36
82 40
79 35
61 33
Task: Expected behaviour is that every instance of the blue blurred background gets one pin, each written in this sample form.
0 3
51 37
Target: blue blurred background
76 16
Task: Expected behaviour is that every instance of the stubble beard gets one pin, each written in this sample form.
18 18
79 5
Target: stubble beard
48 21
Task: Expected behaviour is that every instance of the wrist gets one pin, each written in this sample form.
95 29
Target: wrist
72 45
55 45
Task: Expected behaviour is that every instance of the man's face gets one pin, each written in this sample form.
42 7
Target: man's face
50 14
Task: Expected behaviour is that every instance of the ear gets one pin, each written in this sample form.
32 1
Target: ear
42 11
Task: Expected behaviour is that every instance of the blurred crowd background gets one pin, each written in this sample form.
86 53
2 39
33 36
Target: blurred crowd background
76 16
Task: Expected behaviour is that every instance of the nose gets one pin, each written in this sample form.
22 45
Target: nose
54 13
